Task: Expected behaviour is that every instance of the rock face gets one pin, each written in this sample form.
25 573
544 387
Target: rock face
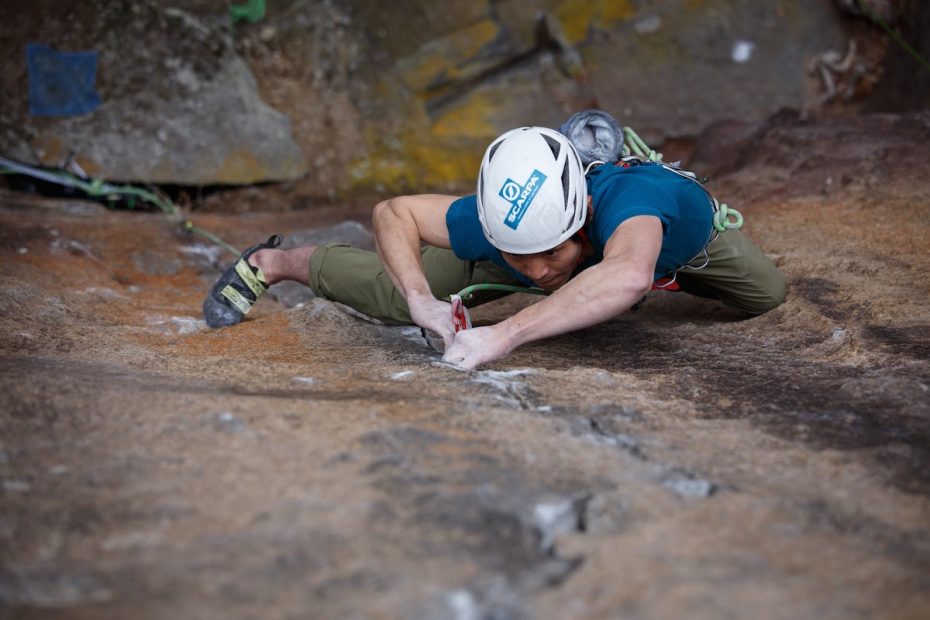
405 95
677 462
179 105
674 68
432 84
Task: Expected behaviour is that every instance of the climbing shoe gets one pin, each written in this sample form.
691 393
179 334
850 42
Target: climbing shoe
236 291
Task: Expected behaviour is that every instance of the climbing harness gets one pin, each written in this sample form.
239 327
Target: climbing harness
635 151
101 189
641 151
724 217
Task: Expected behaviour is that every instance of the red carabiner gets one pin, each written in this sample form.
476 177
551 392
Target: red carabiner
460 318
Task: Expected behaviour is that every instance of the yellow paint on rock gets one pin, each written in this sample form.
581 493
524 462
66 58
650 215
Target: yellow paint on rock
576 17
469 118
241 166
613 12
427 71
424 154
414 162
49 149
90 167
449 164
447 151
448 58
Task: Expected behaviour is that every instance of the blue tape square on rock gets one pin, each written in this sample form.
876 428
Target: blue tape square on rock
61 83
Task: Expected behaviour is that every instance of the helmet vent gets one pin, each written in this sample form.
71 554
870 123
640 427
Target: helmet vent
553 144
494 150
566 176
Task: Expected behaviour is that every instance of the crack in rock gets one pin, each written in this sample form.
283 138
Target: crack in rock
621 440
687 485
504 387
553 518
50 588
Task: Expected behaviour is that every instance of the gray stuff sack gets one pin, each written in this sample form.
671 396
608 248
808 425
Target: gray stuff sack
595 134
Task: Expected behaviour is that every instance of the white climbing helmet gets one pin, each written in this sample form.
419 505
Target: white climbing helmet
531 191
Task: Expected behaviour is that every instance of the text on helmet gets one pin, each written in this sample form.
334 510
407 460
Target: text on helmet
520 197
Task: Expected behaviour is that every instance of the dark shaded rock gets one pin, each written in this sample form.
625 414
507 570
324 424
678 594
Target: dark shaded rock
179 105
672 70
374 108
353 233
50 588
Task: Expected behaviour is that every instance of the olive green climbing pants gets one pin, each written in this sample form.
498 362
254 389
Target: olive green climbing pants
736 272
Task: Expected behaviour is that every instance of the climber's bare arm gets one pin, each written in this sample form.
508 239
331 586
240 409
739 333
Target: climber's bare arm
401 226
595 295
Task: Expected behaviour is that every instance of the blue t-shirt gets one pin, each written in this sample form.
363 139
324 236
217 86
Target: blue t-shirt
682 206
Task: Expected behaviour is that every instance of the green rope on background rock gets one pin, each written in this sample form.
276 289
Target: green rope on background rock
252 11
893 33
469 291
100 188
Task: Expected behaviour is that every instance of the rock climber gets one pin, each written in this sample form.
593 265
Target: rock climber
597 239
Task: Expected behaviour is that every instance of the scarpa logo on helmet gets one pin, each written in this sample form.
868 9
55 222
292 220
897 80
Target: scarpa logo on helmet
520 197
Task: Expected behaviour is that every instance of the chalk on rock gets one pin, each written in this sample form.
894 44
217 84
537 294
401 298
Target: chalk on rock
687 486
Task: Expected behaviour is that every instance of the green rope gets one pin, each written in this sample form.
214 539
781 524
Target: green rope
639 147
102 189
722 216
252 11
894 35
206 234
469 291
